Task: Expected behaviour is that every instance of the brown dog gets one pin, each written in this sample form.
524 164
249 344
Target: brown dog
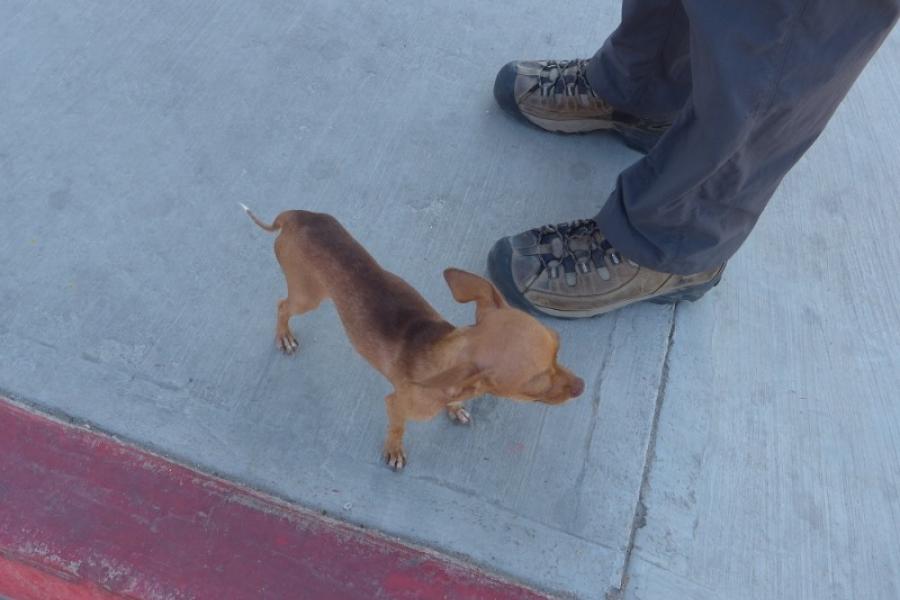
432 365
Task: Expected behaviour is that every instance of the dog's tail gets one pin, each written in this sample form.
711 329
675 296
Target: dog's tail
273 227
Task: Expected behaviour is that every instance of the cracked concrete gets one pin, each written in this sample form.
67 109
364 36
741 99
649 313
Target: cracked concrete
640 508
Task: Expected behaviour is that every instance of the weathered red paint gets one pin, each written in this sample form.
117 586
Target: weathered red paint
84 517
21 581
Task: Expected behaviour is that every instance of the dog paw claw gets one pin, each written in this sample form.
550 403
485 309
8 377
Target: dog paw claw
459 415
287 344
396 460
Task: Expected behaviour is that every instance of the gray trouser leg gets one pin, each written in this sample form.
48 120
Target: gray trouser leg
644 67
764 79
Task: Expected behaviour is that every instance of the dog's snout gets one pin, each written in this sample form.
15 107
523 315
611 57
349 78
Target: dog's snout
577 387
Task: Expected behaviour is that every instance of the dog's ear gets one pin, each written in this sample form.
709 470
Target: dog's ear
467 287
457 380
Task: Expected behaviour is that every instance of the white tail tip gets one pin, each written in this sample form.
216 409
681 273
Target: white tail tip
244 206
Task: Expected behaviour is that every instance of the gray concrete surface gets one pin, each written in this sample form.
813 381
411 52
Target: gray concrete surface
138 298
777 460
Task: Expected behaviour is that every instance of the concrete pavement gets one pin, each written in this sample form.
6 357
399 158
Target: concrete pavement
750 437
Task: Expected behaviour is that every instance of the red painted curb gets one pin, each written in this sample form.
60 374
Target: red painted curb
85 517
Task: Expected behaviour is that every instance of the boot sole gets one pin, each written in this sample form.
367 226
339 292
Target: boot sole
499 272
635 139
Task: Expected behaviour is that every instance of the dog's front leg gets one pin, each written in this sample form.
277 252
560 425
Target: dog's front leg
393 444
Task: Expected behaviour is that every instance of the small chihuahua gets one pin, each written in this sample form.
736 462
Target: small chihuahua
432 365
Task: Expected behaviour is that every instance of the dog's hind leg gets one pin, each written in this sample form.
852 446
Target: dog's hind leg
305 293
303 296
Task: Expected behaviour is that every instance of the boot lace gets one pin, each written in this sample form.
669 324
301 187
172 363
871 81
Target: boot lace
566 77
576 248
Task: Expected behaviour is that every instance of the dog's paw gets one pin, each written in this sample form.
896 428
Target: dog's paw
460 415
395 459
287 343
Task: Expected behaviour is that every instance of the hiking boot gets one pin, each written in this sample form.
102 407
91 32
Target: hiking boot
556 96
571 270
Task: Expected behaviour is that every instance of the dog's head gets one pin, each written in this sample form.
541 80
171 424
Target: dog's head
511 354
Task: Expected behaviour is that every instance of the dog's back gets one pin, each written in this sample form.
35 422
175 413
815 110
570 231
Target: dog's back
384 316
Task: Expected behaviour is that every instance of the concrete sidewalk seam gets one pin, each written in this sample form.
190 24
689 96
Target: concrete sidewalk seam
640 509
